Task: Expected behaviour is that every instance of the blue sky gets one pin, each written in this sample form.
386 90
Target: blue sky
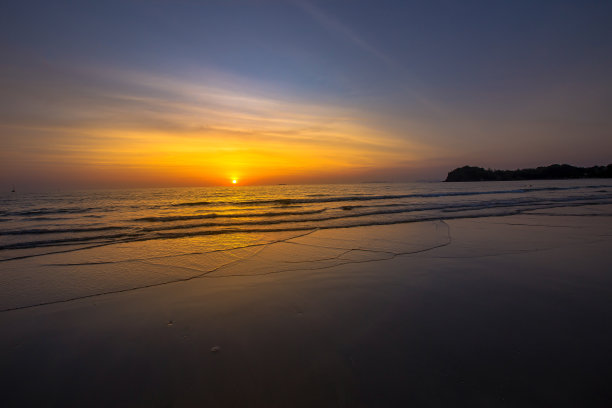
423 86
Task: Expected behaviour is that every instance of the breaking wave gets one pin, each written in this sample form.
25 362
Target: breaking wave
50 221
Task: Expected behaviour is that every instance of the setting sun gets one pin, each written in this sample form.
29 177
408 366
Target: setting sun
234 181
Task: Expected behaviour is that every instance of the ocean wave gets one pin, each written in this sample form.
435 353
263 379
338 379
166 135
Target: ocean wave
327 199
48 219
69 241
270 221
37 231
191 204
171 218
50 211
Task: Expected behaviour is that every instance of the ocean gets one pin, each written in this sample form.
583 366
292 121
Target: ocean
38 224
61 246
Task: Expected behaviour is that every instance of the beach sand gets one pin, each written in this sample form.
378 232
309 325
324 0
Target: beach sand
501 311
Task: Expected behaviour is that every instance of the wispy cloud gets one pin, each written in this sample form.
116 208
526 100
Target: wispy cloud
109 115
337 27
409 83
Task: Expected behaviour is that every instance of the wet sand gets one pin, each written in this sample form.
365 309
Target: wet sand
501 311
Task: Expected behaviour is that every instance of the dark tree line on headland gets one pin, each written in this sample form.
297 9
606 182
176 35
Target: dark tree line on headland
555 171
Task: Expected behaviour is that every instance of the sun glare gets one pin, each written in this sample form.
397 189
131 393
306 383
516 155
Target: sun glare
234 181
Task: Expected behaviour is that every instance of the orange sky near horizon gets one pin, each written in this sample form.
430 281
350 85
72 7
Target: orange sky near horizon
161 94
138 129
175 132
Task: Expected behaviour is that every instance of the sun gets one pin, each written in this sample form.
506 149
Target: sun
234 181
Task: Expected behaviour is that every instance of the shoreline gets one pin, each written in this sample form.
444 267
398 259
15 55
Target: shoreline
499 311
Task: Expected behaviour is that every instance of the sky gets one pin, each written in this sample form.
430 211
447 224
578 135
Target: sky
136 93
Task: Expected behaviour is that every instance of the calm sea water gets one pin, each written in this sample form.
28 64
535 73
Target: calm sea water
34 224
67 246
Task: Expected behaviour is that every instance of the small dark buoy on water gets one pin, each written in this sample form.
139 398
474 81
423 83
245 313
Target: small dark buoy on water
13 190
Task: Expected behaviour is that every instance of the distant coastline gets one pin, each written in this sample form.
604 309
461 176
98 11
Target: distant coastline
552 172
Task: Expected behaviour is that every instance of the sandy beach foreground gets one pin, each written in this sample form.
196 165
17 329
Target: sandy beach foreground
499 311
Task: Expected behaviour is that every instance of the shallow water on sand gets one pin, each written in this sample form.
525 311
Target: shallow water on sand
490 311
64 246
44 223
